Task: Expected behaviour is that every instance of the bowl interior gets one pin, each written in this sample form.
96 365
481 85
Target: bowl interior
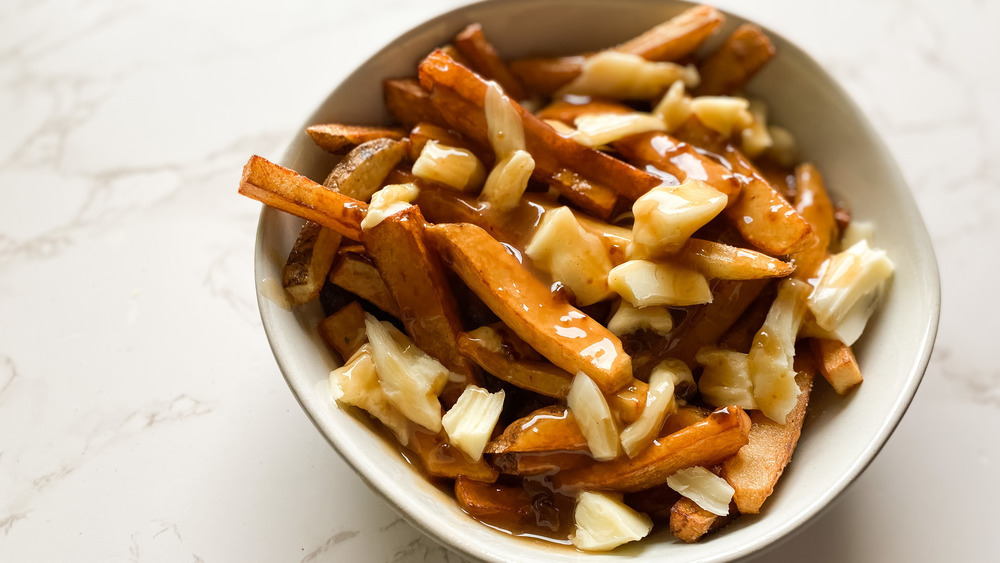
842 435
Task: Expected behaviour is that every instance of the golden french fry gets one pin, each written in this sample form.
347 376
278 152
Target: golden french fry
484 59
705 443
409 103
680 160
309 262
441 459
728 69
362 171
344 330
560 332
524 464
355 273
813 203
424 132
548 429
550 150
284 189
567 111
837 364
415 278
689 522
338 138
723 262
506 504
672 40
756 467
488 352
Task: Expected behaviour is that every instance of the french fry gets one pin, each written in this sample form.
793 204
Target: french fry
441 459
484 59
723 262
756 467
344 331
537 376
424 132
728 69
525 464
355 273
362 171
705 443
837 364
409 103
284 189
672 40
550 150
309 262
813 203
510 505
338 138
680 160
503 283
548 429
416 280
689 522
740 335
705 324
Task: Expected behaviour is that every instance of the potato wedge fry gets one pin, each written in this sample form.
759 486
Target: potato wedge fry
543 142
706 443
338 138
680 160
548 429
362 171
309 262
415 278
755 469
559 331
837 364
723 262
344 331
441 459
409 103
689 522
510 505
672 40
728 69
284 189
705 325
813 203
484 59
537 376
355 273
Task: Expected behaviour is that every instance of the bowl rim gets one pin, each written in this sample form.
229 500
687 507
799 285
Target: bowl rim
773 537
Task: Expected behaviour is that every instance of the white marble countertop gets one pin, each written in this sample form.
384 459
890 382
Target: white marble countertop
142 416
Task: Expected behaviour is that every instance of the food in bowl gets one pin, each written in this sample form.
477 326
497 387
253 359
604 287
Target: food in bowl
592 317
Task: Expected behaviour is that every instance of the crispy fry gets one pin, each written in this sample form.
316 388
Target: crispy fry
362 171
567 111
689 522
704 325
355 273
837 364
813 203
309 262
670 41
484 59
548 429
680 160
416 280
487 350
441 459
338 138
755 469
724 262
559 331
409 103
284 189
728 69
344 331
511 505
424 132
706 443
550 150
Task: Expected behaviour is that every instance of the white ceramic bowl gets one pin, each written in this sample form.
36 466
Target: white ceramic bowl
841 436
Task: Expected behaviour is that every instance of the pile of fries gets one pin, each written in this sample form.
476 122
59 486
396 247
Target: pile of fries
593 316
